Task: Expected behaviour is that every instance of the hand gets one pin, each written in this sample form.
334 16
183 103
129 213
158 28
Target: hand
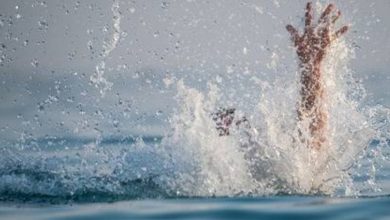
316 39
223 119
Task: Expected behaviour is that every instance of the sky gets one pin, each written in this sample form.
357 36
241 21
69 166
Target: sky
96 68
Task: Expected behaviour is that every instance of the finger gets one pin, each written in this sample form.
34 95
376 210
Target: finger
308 15
292 30
294 33
325 38
323 30
326 12
341 31
336 17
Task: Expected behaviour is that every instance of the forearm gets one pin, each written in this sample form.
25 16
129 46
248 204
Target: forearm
311 106
311 85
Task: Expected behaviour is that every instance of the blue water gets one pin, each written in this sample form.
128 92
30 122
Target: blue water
54 179
276 207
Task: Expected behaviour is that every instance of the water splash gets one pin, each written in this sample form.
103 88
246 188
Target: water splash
98 78
193 160
268 158
207 164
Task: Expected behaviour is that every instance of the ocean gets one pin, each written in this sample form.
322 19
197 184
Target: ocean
54 184
274 207
251 109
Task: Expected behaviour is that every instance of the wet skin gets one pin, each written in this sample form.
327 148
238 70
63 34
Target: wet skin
312 47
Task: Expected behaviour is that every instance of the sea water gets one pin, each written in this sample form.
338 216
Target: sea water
190 172
122 179
292 207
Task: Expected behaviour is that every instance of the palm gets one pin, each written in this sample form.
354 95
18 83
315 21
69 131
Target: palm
313 43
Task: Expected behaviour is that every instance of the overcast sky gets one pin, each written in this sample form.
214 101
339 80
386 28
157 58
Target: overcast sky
50 51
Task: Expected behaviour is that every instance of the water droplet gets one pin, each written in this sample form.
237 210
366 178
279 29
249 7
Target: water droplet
76 7
218 79
164 5
43 25
90 47
35 62
245 51
70 99
159 112
43 4
115 123
71 55
229 69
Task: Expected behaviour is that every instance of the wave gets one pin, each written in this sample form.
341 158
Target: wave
82 170
113 172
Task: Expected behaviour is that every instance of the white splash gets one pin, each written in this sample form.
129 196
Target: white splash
208 164
98 78
109 46
268 157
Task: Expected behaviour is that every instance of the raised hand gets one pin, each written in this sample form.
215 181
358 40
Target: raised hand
316 39
312 47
